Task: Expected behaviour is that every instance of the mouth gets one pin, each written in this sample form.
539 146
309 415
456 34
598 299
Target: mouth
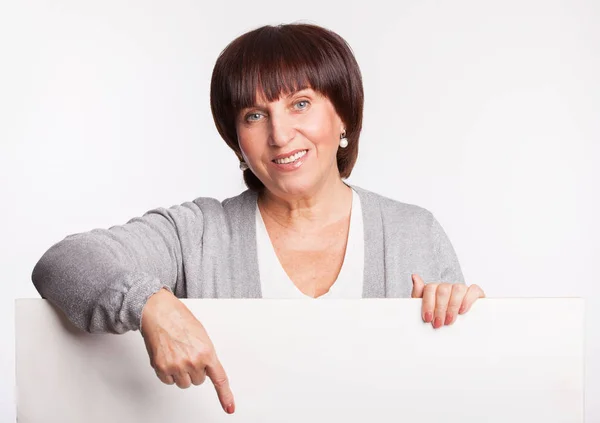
292 157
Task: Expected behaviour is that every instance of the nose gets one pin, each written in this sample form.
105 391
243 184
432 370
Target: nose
282 130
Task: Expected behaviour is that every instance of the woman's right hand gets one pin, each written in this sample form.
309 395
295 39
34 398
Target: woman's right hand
179 348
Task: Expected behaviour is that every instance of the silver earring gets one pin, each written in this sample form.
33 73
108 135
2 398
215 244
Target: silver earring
243 166
343 140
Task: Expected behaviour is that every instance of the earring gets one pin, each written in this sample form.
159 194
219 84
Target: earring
243 165
343 140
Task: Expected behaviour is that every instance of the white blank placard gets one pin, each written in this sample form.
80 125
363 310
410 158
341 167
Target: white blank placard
369 360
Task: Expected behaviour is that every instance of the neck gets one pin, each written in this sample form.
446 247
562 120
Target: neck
327 204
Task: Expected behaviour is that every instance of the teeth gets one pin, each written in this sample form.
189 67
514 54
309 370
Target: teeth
292 158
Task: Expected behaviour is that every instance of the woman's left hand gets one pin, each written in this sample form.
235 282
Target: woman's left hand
442 302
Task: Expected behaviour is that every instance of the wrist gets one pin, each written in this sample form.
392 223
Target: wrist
153 304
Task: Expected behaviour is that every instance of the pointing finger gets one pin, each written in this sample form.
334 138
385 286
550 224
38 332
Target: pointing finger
217 375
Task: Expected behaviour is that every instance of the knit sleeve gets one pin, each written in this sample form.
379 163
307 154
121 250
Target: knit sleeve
448 266
101 279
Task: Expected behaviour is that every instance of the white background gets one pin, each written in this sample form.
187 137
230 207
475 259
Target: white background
486 113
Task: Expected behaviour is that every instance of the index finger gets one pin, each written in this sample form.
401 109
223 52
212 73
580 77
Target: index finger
217 375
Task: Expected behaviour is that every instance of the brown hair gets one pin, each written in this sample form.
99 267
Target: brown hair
280 60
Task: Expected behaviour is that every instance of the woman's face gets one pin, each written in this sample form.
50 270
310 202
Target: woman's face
291 144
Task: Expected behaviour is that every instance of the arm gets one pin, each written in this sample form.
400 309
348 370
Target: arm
101 279
448 266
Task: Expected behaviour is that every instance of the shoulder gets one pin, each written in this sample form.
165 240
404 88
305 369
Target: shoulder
243 202
209 206
394 211
203 209
232 210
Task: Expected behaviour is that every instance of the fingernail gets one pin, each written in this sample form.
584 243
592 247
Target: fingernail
428 316
448 318
437 323
230 409
462 309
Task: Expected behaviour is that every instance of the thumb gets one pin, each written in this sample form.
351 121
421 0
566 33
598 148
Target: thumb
418 286
217 375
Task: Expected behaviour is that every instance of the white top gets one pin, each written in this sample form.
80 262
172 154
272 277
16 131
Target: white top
276 284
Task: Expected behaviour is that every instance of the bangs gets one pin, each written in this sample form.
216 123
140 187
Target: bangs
274 61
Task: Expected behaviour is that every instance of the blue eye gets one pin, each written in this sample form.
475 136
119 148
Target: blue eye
251 115
301 102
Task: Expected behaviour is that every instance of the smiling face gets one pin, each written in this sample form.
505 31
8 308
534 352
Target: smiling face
291 143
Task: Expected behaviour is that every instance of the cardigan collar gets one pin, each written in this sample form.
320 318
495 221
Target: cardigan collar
374 268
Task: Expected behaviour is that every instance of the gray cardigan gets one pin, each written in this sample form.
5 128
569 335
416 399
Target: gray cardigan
101 279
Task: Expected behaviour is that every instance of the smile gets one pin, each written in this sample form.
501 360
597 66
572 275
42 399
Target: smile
292 158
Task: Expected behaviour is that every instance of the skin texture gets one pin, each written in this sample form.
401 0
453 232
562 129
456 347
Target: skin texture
443 302
304 120
179 348
306 213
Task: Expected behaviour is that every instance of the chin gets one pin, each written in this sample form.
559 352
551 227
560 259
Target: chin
298 187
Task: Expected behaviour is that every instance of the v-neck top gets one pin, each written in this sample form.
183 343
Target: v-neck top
275 282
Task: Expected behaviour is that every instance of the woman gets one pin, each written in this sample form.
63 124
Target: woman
288 101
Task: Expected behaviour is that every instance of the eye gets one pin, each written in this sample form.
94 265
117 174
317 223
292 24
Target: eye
303 104
253 117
